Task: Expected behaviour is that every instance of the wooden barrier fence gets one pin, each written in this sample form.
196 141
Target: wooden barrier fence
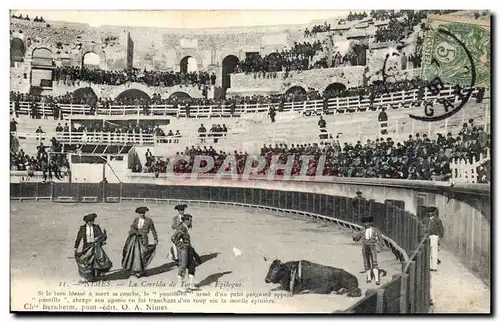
408 292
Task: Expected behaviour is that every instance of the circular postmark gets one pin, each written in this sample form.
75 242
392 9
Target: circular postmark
452 52
456 55
455 58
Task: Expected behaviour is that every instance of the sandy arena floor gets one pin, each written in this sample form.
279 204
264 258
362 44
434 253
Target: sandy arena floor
43 234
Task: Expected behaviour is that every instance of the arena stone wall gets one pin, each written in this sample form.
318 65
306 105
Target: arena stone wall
318 79
112 91
465 209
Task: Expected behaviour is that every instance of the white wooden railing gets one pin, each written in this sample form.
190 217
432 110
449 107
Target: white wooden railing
335 106
143 139
463 171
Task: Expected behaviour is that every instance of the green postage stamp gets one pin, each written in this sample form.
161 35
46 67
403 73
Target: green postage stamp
454 46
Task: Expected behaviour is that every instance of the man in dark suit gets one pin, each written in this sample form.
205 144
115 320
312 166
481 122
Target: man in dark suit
358 206
382 119
435 231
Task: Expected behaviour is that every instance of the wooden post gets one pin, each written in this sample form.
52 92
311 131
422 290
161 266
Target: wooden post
411 287
418 282
403 300
380 301
427 277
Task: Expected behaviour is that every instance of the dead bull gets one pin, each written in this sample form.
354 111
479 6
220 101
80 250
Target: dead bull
306 277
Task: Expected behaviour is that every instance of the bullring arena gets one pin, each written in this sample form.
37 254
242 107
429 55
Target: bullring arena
107 119
216 232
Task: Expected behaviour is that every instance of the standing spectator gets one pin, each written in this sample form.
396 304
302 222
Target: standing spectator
404 61
17 107
177 135
213 78
321 123
357 205
201 132
382 119
435 231
272 113
149 157
13 125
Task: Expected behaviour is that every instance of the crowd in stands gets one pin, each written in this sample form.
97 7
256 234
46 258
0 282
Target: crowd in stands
338 60
71 75
419 157
356 16
28 18
401 22
317 29
53 165
215 132
184 104
299 57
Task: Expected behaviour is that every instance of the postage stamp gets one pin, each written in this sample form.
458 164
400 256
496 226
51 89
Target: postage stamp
456 51
232 162
455 48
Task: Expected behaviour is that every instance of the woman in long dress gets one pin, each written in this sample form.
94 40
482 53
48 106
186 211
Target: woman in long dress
92 261
137 252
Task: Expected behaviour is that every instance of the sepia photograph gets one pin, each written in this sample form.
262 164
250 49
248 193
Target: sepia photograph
243 161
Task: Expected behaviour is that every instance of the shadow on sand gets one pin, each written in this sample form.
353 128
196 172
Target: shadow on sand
212 278
125 274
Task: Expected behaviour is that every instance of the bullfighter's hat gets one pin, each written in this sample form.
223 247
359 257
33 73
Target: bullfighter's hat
141 210
431 210
180 207
89 217
186 217
367 219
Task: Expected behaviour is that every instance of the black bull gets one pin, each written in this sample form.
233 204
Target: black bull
305 276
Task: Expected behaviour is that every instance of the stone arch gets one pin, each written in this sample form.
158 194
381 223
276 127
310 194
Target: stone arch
334 90
229 64
17 51
86 93
188 64
181 54
133 94
42 56
296 89
273 59
91 60
179 95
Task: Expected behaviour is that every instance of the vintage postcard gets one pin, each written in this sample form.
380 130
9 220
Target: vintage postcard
250 161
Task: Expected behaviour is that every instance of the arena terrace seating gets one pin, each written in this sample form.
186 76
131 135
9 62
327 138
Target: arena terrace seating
265 100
